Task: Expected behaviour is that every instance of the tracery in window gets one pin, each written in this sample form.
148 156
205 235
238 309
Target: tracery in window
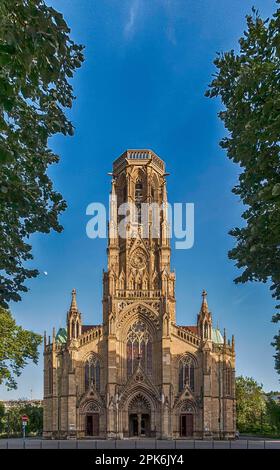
139 348
92 373
186 373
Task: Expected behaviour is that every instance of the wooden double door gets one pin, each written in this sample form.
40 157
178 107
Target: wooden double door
186 425
92 424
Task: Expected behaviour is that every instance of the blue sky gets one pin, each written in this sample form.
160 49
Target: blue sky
148 63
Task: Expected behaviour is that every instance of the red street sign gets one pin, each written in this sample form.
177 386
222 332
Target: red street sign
24 419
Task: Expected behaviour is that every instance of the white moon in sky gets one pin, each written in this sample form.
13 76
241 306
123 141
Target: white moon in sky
45 272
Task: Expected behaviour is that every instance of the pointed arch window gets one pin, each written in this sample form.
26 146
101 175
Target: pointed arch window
92 373
73 329
138 200
125 193
139 348
186 373
50 378
228 380
205 330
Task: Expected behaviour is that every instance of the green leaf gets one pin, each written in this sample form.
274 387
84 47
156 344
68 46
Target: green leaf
247 83
276 190
36 58
5 156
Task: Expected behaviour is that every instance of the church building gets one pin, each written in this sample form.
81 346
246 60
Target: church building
139 374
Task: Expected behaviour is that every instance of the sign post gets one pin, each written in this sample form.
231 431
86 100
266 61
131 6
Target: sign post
24 420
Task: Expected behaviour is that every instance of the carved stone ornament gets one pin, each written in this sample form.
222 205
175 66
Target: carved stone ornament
139 310
187 408
138 259
139 378
139 404
92 407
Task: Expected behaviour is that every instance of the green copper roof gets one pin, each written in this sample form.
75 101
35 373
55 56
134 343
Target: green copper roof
217 336
61 336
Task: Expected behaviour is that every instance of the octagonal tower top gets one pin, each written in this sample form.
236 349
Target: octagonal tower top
141 157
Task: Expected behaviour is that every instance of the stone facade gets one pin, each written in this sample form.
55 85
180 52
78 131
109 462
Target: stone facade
139 374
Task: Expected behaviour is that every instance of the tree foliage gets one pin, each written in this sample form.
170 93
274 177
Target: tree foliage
273 414
17 347
256 411
11 422
248 83
37 59
2 414
250 404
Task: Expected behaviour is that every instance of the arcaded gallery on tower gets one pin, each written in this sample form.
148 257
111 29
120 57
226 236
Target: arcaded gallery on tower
139 374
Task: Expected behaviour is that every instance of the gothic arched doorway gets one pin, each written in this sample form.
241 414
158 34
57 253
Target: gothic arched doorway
92 419
92 424
139 415
186 420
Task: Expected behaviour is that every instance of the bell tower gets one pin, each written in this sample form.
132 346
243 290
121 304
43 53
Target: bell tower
139 244
139 285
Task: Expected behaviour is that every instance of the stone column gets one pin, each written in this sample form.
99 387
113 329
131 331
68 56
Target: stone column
139 417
